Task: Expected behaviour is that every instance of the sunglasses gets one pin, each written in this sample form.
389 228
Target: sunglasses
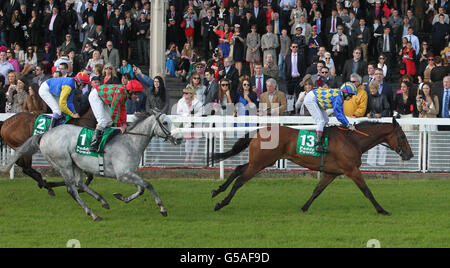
108 68
430 59
196 78
294 46
327 58
324 72
246 85
353 82
224 85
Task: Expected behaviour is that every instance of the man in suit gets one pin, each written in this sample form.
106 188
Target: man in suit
294 69
232 18
355 65
385 88
443 93
269 43
331 25
386 46
54 24
111 55
10 6
122 35
209 36
211 92
273 101
259 14
231 73
89 31
258 81
68 45
362 37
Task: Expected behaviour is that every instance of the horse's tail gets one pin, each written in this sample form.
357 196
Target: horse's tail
30 147
238 147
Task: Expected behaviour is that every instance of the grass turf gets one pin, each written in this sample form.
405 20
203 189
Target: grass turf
264 213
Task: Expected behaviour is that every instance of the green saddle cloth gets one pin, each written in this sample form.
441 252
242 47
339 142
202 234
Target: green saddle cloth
306 143
42 124
84 141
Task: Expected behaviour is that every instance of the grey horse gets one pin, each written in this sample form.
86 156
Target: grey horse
121 157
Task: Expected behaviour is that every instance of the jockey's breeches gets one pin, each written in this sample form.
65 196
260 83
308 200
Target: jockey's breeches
101 110
319 115
51 100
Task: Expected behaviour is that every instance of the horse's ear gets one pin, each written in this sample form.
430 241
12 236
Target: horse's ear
394 121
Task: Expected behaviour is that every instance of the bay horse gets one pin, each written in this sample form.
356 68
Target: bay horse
17 129
344 157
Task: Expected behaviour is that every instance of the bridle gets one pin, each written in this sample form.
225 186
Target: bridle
164 129
400 138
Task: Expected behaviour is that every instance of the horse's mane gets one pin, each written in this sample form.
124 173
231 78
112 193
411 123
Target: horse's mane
139 118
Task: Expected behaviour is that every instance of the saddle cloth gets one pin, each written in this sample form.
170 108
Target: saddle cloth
306 143
85 137
42 123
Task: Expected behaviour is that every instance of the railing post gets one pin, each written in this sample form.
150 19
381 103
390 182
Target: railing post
221 149
11 171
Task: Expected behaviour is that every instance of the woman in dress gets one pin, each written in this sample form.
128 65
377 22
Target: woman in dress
405 103
253 44
225 36
30 61
427 105
408 54
238 41
425 74
90 66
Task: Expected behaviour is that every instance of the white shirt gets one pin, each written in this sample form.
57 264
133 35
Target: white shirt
294 59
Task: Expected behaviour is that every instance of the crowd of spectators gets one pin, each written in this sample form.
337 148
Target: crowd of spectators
284 48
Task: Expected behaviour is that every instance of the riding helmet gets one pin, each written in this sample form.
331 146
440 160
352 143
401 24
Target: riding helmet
350 88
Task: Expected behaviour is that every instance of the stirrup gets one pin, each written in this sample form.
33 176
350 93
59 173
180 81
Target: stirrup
96 140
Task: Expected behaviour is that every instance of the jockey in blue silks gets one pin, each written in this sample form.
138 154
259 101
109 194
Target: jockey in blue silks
319 100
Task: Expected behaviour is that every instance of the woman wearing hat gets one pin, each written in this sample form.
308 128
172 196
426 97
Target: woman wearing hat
314 43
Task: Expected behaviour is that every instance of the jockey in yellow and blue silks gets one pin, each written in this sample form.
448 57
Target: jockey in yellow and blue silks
319 100
58 94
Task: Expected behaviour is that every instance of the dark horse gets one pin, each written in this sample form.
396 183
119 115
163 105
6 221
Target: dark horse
19 128
344 157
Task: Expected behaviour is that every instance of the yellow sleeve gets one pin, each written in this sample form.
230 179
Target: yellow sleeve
65 92
362 107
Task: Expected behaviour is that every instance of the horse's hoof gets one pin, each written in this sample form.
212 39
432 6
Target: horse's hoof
51 192
214 193
217 207
385 213
304 209
164 213
105 206
97 218
118 196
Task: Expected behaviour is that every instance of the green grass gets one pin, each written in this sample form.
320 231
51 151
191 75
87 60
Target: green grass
264 213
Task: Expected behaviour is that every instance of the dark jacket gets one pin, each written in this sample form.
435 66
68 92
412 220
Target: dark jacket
378 104
348 66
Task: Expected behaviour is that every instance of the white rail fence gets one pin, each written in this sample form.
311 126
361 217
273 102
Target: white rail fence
218 134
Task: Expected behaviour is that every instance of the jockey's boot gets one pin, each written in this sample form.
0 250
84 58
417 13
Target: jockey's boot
55 119
96 139
320 140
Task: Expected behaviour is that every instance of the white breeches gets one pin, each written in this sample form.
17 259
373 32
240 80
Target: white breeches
50 100
318 114
101 110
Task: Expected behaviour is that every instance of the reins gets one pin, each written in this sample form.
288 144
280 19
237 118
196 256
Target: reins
367 135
